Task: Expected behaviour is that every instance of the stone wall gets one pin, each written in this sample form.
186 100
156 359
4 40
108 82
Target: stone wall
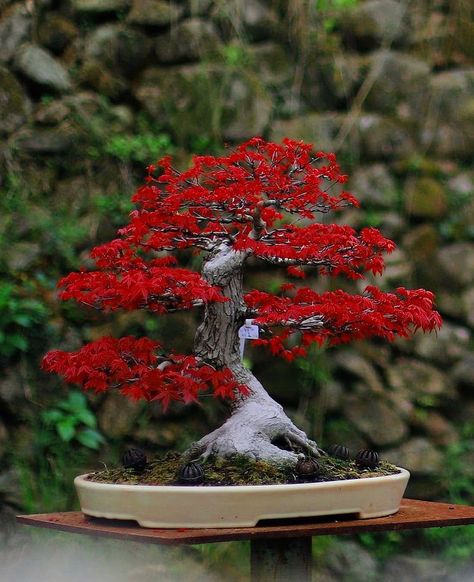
93 90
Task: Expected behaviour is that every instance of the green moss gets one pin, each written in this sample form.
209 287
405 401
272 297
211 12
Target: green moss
237 470
426 198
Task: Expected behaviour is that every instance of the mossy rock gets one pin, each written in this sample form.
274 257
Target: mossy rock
119 48
3 439
117 415
152 13
14 105
98 6
370 23
451 115
422 243
427 385
374 186
205 100
254 20
420 455
47 141
333 79
274 66
318 128
452 95
425 197
96 76
400 88
15 29
186 42
462 41
457 264
39 66
273 63
56 32
22 255
376 419
382 137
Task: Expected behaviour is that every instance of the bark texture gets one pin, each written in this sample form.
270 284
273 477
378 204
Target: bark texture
256 421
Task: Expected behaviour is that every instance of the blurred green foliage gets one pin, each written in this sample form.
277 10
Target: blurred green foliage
114 207
141 148
450 543
73 421
19 313
46 467
331 10
316 376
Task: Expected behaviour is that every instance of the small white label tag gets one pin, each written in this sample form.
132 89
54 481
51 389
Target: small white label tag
246 332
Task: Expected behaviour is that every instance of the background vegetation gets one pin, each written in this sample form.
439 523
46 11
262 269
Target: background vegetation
91 91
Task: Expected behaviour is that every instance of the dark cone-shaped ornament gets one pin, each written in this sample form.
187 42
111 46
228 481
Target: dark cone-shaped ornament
134 459
191 474
307 468
366 459
339 452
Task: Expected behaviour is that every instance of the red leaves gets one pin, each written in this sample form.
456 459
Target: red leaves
333 248
253 200
237 199
140 286
132 366
296 272
338 317
220 198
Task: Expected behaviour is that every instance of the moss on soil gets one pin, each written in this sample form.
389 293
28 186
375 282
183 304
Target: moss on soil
237 470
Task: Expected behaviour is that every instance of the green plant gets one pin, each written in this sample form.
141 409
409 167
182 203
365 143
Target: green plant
46 99
46 468
449 543
72 420
382 546
326 5
18 315
456 543
143 147
203 144
453 543
235 55
457 225
331 9
229 559
114 207
316 377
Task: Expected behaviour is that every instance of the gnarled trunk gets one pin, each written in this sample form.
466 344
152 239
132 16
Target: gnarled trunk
256 421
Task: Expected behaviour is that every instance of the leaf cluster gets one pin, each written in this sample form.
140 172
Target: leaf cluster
18 314
72 420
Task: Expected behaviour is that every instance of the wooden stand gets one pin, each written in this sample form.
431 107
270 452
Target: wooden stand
279 551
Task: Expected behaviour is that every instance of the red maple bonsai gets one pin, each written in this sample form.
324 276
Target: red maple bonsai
259 201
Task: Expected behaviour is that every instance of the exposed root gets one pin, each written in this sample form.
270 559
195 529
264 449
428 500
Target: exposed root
252 431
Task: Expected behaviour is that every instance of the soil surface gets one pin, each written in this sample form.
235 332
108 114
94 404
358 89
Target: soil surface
238 470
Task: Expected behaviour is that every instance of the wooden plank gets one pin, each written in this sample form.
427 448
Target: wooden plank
413 514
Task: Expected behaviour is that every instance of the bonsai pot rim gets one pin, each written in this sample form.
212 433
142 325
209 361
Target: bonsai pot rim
172 506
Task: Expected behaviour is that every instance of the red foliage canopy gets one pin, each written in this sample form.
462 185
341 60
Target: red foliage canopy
338 317
261 199
132 366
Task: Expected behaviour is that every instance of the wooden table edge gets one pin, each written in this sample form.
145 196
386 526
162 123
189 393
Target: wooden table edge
413 514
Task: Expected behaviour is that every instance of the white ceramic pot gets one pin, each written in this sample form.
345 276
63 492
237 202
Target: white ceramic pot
171 506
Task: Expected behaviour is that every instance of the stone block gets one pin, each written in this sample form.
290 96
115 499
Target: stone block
39 66
15 106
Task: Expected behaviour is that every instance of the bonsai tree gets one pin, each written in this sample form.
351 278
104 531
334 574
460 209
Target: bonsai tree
260 202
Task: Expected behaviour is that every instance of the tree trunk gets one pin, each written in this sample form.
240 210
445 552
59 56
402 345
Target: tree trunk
256 422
